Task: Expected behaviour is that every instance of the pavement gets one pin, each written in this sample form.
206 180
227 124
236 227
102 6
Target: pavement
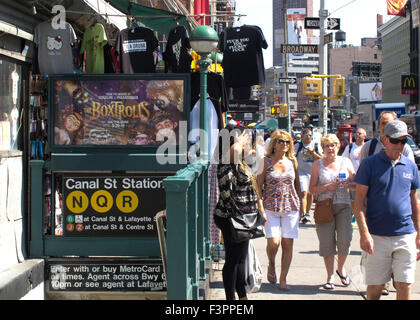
307 273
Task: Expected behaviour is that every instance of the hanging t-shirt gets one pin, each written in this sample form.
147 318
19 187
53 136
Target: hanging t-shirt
176 56
93 44
243 62
135 47
109 66
54 48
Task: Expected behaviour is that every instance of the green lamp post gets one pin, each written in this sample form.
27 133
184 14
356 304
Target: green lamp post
204 40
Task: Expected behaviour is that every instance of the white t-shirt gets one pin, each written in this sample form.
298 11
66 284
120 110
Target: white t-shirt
305 158
212 126
354 155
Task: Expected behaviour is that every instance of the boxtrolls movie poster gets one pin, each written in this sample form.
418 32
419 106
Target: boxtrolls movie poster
123 112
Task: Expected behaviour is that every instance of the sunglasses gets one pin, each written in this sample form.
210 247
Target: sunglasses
308 135
397 141
327 146
283 141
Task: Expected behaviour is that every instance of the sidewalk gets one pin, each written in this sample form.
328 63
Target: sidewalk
307 273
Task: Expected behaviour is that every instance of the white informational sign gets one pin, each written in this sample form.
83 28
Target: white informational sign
296 32
370 91
15 89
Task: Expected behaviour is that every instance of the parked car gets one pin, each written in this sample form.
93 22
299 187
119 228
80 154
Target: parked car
415 149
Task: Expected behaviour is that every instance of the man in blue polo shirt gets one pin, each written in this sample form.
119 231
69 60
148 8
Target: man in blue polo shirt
388 215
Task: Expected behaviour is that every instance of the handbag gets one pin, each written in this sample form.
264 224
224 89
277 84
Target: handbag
324 212
246 226
253 270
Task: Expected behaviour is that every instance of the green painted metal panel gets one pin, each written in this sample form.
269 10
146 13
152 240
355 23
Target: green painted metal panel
109 161
101 246
37 205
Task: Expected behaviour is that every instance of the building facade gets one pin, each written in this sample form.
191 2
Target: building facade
357 64
395 61
298 66
278 23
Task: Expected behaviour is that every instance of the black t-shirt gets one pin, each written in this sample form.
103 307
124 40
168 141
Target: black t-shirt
135 48
176 56
243 62
216 90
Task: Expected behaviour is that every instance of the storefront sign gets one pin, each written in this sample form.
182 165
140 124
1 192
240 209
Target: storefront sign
88 275
243 105
112 205
116 112
409 84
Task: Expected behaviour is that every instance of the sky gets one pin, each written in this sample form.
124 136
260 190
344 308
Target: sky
357 18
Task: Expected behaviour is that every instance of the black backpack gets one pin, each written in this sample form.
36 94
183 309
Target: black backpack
372 146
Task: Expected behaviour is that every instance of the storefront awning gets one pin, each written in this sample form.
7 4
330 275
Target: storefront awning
158 20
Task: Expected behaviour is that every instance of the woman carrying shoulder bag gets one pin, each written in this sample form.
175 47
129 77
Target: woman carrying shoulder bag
331 176
238 195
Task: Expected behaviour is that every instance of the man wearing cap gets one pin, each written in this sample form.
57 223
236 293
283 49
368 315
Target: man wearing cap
388 215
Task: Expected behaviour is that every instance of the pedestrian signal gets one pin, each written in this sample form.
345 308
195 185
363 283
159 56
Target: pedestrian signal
279 110
311 86
338 87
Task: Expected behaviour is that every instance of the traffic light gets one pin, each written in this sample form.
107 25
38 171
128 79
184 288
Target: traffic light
283 110
279 110
338 87
311 86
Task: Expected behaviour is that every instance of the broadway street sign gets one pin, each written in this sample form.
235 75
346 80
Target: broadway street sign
299 48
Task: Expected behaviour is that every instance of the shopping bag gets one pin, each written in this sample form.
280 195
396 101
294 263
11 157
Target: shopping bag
253 270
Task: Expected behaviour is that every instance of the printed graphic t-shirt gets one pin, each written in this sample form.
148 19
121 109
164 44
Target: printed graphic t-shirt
243 62
54 48
176 56
135 48
93 43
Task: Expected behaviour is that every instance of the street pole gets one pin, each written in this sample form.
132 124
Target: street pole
286 64
323 60
204 148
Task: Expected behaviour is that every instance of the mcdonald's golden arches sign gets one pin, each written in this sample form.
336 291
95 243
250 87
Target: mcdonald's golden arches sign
409 84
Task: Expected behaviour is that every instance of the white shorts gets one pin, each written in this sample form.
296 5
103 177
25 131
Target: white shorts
391 255
304 182
287 222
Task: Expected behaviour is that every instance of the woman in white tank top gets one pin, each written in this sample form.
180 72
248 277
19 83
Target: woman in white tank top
331 177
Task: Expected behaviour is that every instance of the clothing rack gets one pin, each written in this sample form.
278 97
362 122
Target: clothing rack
141 16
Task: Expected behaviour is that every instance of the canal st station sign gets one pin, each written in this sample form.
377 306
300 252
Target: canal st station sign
112 205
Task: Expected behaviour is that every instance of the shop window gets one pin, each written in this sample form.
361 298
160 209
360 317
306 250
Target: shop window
10 103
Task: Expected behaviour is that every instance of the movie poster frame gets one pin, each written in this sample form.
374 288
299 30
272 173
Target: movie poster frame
142 149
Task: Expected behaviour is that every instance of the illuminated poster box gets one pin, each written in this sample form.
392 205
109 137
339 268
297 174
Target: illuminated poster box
116 111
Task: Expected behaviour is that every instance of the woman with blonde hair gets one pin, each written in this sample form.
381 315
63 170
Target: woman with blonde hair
331 176
279 186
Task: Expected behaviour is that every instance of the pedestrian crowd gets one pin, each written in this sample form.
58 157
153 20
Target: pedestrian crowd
371 183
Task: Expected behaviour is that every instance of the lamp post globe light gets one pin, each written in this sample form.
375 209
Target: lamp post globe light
204 40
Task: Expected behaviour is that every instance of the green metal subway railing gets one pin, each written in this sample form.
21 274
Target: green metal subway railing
187 225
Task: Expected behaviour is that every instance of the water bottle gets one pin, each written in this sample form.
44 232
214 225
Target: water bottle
341 180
